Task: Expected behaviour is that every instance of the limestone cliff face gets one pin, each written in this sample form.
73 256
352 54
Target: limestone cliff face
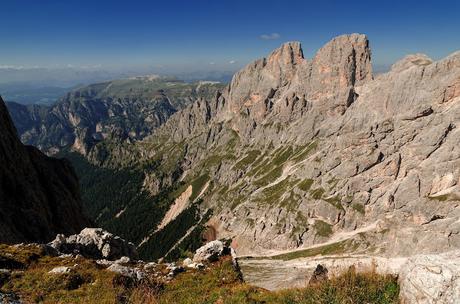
39 196
303 151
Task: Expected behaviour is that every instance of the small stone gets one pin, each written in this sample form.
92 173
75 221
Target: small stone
150 265
319 275
123 260
60 270
133 273
187 262
104 262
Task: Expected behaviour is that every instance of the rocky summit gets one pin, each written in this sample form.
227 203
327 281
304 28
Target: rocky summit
39 195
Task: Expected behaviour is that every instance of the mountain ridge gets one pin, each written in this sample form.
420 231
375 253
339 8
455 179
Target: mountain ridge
39 196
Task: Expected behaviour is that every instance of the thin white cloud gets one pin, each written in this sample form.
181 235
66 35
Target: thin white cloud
12 67
212 63
232 61
272 36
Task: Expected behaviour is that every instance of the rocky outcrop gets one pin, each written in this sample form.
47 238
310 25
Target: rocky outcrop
39 196
211 252
427 279
95 243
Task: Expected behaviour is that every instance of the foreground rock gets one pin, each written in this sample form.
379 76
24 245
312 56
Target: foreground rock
95 243
319 275
126 271
429 279
211 252
60 270
423 278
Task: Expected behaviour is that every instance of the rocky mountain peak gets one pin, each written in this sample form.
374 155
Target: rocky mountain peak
288 54
410 61
348 57
339 66
8 134
259 80
327 80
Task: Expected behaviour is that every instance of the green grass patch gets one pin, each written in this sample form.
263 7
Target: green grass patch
334 201
198 185
305 151
322 228
317 193
359 208
250 158
305 185
335 248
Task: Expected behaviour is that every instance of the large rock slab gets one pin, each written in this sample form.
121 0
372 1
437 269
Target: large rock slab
95 243
429 279
211 252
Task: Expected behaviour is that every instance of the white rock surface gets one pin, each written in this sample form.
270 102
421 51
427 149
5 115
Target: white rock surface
95 243
187 262
429 279
60 270
127 271
210 252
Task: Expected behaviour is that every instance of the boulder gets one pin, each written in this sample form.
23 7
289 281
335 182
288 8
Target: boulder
123 260
211 252
187 262
126 271
319 275
60 270
426 279
95 243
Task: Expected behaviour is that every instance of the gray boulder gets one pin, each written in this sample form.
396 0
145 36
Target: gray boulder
60 270
210 252
95 243
427 279
126 271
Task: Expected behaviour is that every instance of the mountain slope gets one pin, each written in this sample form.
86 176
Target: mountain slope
39 196
298 152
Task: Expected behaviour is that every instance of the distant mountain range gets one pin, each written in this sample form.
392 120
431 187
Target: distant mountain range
126 109
46 85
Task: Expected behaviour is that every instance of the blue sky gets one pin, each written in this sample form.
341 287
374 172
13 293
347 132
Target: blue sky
214 34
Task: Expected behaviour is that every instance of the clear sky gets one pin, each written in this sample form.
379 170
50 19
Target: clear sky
189 34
